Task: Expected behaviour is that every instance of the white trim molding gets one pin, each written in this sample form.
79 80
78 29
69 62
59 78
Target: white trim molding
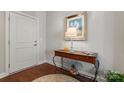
41 62
2 75
7 42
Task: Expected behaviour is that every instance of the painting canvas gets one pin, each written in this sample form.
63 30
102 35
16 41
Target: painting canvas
79 22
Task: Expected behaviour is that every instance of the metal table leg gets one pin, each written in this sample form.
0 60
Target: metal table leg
54 61
96 67
62 62
54 64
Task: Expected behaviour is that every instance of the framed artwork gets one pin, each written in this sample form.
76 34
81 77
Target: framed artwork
79 22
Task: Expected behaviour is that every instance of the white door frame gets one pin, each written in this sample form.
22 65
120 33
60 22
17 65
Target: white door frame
7 39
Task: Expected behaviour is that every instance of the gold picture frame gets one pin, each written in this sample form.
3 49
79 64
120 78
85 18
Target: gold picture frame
78 21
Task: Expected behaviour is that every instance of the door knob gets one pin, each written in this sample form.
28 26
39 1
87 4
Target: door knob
35 44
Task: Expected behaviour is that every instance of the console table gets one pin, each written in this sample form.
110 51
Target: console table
80 56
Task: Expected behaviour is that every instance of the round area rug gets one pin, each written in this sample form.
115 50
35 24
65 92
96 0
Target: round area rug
56 78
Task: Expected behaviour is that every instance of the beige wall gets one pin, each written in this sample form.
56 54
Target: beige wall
94 42
119 41
2 42
105 36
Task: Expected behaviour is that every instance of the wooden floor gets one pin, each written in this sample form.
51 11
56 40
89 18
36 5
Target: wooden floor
35 72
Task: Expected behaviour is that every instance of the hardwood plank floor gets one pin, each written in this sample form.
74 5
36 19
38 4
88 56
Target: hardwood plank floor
35 72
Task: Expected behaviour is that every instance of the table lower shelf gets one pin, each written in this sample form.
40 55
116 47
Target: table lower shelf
80 77
96 65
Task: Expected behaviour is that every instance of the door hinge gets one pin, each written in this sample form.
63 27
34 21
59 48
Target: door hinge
8 65
9 42
9 19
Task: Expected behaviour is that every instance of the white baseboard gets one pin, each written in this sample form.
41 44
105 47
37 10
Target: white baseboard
2 75
41 62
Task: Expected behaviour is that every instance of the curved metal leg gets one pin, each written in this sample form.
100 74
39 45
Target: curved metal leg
54 61
62 62
54 64
96 67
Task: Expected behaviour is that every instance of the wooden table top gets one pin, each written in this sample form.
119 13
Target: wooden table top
82 53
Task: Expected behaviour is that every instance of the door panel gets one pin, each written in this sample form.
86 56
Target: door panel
22 38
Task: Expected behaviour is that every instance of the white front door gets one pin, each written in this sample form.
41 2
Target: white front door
23 47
